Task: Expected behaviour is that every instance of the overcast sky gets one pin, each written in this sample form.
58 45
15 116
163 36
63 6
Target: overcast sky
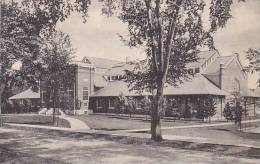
98 36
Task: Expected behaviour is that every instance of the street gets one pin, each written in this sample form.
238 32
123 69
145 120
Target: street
20 146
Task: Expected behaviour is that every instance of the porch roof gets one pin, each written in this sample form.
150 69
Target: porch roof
115 88
199 85
249 93
27 94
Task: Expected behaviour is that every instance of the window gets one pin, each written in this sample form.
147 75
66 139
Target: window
85 93
197 70
190 71
111 104
108 78
99 103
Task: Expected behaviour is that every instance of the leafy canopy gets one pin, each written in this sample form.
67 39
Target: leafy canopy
172 32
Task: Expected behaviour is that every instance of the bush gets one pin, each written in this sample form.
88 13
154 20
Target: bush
227 113
206 108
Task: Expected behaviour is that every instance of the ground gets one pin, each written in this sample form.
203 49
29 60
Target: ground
112 123
20 146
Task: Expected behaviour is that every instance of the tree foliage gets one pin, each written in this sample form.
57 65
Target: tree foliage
253 56
18 42
55 71
172 33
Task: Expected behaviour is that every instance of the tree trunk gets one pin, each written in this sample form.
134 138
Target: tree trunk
54 103
155 115
2 86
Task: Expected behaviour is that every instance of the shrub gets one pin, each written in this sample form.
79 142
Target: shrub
227 113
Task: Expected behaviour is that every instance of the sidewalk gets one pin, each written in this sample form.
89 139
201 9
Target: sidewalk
130 133
191 126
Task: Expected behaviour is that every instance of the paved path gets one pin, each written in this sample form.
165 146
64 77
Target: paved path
191 126
76 124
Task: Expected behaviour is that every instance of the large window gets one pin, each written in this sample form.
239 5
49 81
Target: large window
85 93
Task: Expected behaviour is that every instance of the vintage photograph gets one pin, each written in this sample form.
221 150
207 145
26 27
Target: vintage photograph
130 81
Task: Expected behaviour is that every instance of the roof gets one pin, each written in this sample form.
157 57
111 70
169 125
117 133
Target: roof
203 56
27 94
99 80
100 62
249 93
115 88
215 65
119 70
198 85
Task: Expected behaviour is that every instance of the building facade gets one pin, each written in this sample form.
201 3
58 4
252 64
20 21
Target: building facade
99 82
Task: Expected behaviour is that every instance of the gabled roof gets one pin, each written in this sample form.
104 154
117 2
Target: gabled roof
100 62
198 85
119 69
214 67
203 57
27 94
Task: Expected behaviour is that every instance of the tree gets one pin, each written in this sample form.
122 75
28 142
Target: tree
209 107
227 113
146 106
56 72
23 24
171 32
253 56
18 42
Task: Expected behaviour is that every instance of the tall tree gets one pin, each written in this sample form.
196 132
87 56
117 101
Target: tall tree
54 66
253 56
23 24
16 43
172 32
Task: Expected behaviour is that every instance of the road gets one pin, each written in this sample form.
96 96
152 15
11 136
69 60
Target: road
20 146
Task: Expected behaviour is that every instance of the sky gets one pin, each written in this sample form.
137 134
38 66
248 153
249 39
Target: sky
99 35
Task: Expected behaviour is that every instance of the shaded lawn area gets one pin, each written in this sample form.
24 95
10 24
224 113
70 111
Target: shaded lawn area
35 119
102 122
226 134
20 146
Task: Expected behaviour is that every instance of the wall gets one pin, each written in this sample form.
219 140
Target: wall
84 78
230 73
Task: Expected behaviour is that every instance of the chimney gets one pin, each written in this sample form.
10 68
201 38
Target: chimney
221 68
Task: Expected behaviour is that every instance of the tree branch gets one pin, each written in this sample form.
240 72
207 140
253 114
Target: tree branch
171 36
159 32
151 34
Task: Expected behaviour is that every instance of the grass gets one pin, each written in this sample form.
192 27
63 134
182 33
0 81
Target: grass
217 149
112 123
35 119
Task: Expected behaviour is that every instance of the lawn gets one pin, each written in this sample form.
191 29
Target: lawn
35 119
103 122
